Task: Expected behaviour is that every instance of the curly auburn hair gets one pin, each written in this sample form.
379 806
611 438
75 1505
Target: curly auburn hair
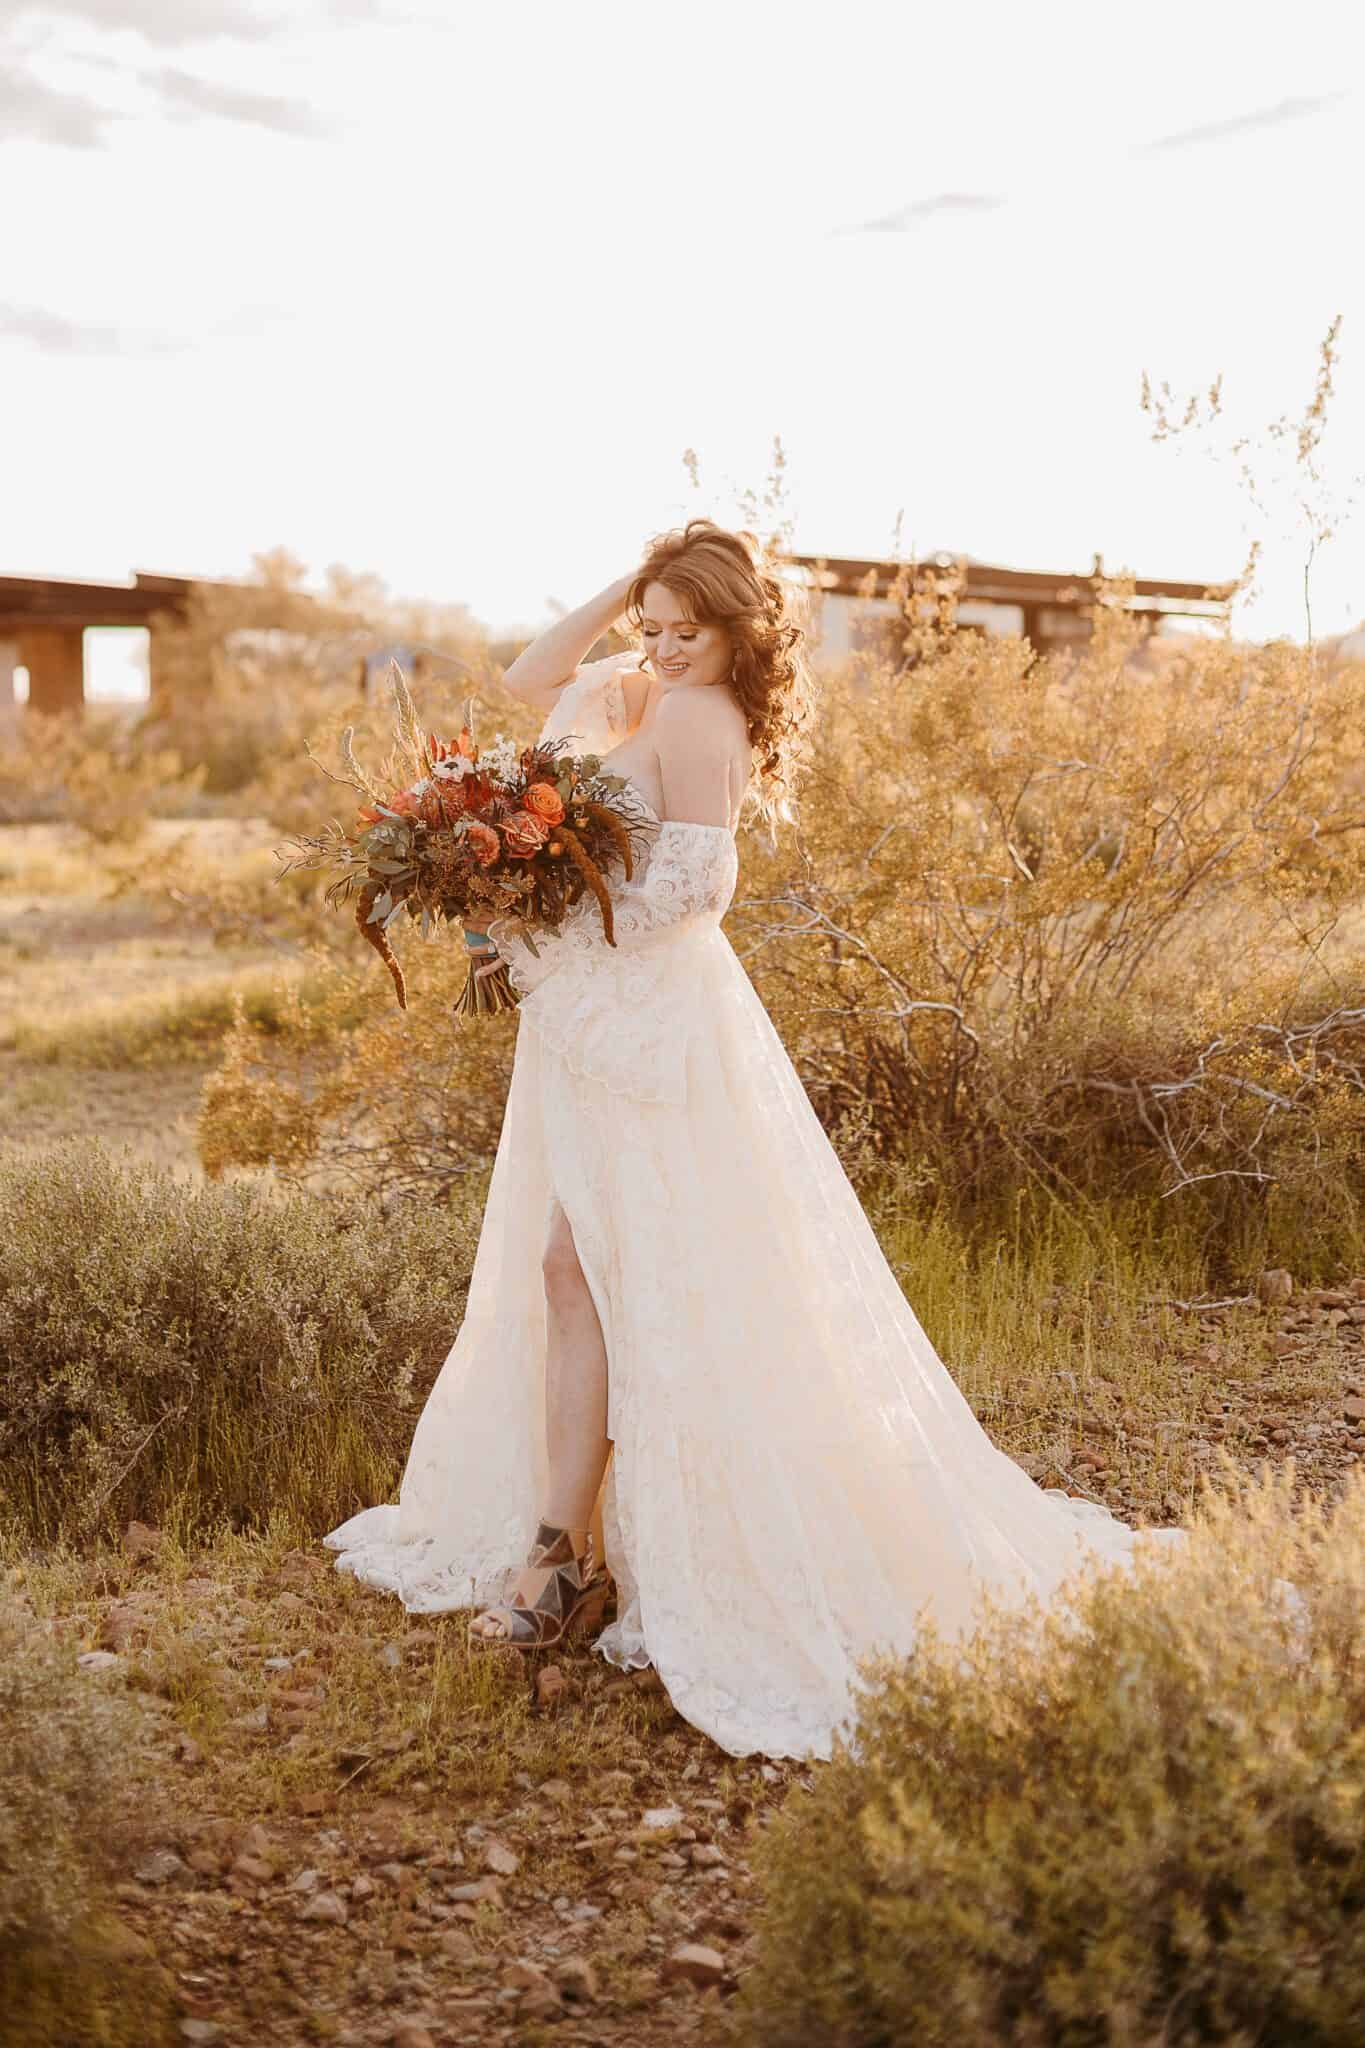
722 578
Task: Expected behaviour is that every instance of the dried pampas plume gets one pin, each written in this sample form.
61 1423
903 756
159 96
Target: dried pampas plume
407 729
358 776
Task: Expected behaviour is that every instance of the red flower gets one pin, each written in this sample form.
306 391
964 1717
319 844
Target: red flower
483 842
407 803
443 803
525 834
368 815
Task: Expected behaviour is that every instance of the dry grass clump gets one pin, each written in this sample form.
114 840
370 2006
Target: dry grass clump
192 1354
1136 1816
178 1021
68 1972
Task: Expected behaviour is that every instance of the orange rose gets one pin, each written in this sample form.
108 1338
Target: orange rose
484 842
545 801
525 834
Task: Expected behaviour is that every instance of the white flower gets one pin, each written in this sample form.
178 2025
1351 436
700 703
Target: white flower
502 759
454 768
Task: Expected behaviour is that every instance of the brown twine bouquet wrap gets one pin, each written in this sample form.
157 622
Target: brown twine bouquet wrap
464 832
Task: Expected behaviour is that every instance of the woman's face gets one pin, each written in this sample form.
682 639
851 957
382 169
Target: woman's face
681 653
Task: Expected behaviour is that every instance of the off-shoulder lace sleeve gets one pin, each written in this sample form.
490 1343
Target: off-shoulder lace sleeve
691 875
592 704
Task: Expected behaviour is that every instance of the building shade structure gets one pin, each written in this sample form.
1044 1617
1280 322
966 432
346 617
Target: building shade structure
1050 609
43 622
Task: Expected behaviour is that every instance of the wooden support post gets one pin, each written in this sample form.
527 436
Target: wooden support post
159 695
9 662
55 659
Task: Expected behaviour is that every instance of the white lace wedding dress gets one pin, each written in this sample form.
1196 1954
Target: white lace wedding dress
794 1470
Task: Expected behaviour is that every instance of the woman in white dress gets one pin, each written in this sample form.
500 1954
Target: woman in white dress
681 1327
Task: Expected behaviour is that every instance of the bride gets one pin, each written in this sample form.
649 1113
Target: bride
685 1364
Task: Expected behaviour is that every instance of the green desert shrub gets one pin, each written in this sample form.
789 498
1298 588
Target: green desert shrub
71 1817
187 1354
1135 1816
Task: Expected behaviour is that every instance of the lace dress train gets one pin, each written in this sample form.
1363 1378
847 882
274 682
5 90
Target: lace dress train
795 1473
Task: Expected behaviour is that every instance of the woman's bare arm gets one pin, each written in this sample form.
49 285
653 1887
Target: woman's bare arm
541 670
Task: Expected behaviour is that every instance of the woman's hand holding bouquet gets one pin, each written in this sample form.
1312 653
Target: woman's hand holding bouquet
505 830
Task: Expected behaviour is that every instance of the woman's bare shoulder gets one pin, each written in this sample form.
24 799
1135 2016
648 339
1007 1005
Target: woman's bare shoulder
704 717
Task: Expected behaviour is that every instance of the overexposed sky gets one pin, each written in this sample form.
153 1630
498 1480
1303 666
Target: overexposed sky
444 291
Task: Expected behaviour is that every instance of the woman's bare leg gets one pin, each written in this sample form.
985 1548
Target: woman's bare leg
575 1399
575 1384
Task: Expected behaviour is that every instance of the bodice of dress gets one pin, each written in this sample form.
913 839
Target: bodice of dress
621 1013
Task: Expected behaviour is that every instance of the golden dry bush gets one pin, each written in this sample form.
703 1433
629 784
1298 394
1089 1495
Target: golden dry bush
97 773
253 674
354 1093
1136 1817
1087 922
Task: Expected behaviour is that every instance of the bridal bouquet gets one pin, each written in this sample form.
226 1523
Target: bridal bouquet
453 831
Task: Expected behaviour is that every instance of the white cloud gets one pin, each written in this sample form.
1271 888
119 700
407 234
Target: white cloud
1259 118
919 210
32 111
182 92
